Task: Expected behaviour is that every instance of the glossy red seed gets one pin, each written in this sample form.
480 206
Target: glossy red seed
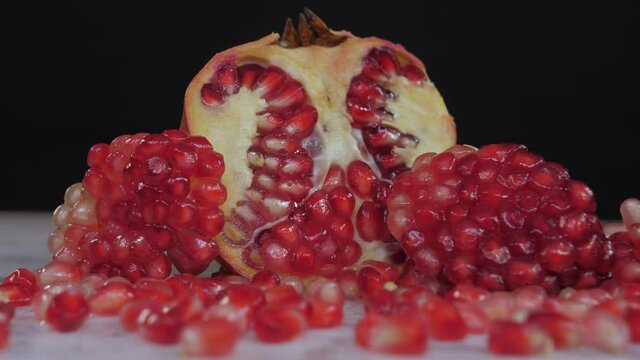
564 331
15 295
135 313
162 328
399 334
67 311
509 338
109 299
212 337
24 277
276 325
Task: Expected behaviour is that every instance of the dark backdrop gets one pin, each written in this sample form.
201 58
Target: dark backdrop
561 78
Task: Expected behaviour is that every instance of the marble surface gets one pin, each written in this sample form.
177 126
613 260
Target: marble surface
22 243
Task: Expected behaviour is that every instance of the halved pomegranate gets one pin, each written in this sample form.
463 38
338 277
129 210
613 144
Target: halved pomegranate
312 126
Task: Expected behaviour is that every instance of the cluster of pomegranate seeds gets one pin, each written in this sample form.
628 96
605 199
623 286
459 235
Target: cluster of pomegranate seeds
366 99
500 217
148 201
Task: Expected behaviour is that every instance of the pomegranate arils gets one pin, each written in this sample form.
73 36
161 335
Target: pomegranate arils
63 309
278 324
143 195
514 220
397 334
209 338
509 338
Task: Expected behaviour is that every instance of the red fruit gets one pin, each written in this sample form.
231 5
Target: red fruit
160 327
135 313
213 337
474 317
632 318
265 279
24 277
396 334
239 316
300 166
6 313
510 338
278 324
148 201
242 296
604 331
58 272
109 299
321 314
4 335
64 309
444 320
15 295
563 331
499 217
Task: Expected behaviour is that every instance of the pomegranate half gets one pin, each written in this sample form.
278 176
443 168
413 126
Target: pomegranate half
312 126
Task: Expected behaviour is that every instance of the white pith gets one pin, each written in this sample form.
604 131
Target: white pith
419 111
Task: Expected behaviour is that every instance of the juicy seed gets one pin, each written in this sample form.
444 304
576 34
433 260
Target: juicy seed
394 334
509 338
212 337
276 325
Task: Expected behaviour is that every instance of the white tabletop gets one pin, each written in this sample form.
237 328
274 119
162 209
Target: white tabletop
23 244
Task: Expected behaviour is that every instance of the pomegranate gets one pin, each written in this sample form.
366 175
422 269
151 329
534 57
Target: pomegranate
146 202
500 217
312 125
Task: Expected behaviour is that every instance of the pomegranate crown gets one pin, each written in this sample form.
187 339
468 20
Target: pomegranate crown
311 31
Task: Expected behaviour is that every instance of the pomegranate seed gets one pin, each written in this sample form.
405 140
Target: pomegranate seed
109 299
321 314
278 324
4 335
509 338
444 320
212 337
265 279
24 277
632 318
15 294
242 296
399 334
564 331
134 313
161 328
605 331
474 317
67 310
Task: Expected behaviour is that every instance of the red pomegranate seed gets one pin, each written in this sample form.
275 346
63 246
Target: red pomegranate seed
58 272
6 313
153 289
15 294
563 331
474 317
509 338
67 310
212 337
278 324
134 313
24 277
161 328
400 334
348 284
605 331
361 178
4 335
467 293
444 320
109 299
285 296
632 318
265 279
242 296
321 314
239 316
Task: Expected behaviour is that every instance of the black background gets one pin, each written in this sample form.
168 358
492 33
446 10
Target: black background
562 78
